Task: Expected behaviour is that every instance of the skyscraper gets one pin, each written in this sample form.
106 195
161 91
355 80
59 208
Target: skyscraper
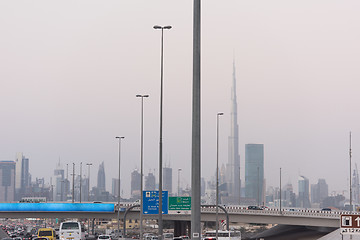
355 188
304 198
135 184
254 172
7 181
233 166
115 187
150 182
101 178
22 176
59 183
167 176
319 191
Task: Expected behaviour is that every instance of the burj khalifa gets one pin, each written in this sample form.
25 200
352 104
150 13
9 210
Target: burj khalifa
233 165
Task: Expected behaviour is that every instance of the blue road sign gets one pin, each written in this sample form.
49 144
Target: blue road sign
151 202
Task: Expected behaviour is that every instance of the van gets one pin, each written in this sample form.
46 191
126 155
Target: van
47 232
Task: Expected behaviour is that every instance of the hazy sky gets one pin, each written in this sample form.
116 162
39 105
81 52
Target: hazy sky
70 71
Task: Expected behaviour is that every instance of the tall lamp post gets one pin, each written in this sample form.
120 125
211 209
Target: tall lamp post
196 127
80 179
160 232
73 183
217 173
88 164
351 208
118 215
179 170
88 197
141 162
280 190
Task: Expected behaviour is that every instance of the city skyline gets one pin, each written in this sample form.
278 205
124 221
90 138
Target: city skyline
69 81
318 197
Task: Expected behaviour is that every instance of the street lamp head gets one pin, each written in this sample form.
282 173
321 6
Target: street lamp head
119 137
157 27
220 113
167 27
142 96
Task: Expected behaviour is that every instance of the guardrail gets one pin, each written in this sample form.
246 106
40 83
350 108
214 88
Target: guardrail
272 211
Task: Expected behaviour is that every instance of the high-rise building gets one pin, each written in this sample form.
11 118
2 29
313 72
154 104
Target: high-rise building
167 178
233 166
254 172
355 186
203 187
150 182
59 183
303 197
319 191
22 176
135 184
101 178
288 196
7 181
115 187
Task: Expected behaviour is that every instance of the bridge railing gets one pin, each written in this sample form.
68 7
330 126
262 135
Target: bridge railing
270 211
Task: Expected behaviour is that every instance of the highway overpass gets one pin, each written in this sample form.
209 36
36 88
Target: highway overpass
236 214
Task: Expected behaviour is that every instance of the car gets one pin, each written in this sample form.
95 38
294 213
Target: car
254 208
326 209
47 232
104 237
181 238
27 237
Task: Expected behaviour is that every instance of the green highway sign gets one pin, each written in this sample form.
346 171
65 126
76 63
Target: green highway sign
179 205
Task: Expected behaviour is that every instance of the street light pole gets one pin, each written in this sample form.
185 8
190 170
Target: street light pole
196 127
280 190
179 170
160 232
217 173
88 164
350 175
118 213
80 179
141 162
258 186
73 183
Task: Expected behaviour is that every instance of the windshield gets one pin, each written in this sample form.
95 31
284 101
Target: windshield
45 233
104 237
70 225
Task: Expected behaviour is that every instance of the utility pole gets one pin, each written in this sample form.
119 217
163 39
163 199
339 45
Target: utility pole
350 175
280 190
196 127
80 179
73 183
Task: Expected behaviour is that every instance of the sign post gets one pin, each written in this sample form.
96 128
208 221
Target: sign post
179 205
350 224
151 202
